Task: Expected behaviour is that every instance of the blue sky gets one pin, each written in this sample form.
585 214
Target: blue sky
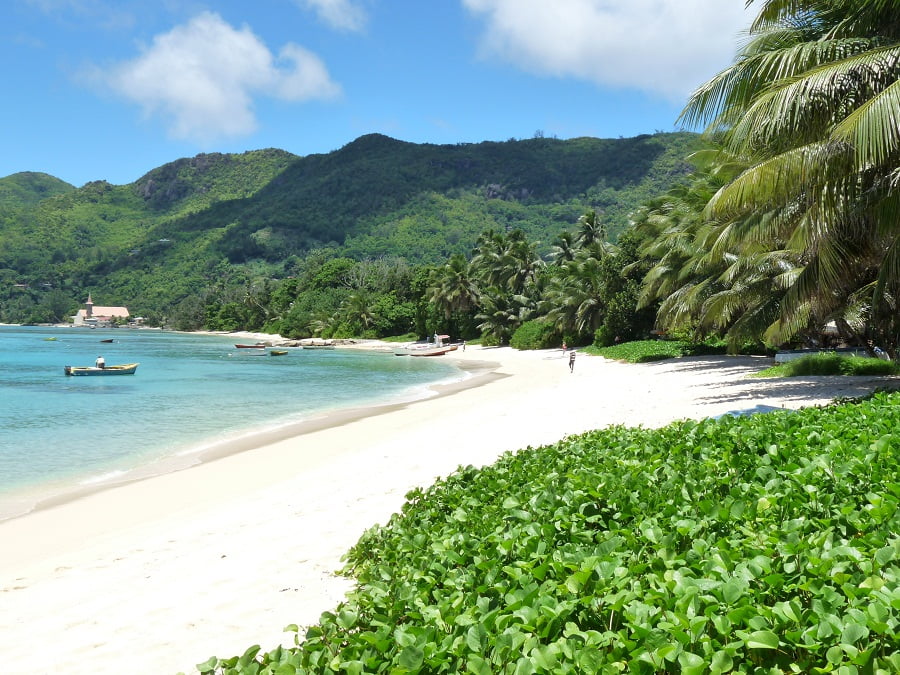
110 89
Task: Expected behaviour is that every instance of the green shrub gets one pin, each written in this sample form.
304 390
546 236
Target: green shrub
534 335
642 351
489 340
604 337
862 365
816 364
832 363
760 544
707 347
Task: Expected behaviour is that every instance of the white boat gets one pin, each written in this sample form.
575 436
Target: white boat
424 350
439 347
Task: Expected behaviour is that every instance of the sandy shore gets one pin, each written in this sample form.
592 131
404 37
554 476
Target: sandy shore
157 575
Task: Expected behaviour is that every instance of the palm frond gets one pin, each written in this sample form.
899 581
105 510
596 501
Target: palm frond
806 106
874 128
774 182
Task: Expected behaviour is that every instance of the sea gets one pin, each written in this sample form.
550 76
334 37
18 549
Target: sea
191 394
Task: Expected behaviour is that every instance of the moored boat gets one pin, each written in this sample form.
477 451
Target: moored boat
121 369
277 352
258 345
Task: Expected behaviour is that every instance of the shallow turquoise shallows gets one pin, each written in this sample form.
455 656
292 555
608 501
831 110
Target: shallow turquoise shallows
189 392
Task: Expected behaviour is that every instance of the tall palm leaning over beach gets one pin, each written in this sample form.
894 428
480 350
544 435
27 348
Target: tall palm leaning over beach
811 104
708 280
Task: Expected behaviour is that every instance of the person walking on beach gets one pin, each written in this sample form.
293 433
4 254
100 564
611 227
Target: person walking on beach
572 361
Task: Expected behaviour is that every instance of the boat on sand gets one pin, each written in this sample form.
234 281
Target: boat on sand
424 350
439 347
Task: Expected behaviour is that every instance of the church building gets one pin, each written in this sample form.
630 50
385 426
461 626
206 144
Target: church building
95 315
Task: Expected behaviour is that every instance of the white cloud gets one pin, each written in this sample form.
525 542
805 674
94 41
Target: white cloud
202 78
663 47
309 77
341 14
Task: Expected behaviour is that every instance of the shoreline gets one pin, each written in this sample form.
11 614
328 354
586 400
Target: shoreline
27 500
167 571
20 504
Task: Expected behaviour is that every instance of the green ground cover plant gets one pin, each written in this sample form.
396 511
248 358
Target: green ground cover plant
831 363
761 544
643 351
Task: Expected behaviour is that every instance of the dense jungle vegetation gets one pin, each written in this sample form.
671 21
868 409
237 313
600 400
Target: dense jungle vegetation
208 241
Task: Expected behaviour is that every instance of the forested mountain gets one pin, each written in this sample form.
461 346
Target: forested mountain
218 219
27 188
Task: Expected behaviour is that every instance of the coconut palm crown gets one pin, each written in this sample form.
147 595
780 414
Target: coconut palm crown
812 105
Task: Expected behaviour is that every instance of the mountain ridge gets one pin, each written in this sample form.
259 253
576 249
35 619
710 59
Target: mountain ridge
152 242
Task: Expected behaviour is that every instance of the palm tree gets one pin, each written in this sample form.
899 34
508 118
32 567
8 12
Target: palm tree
522 263
507 261
591 229
564 248
487 258
453 289
356 310
810 104
575 298
502 313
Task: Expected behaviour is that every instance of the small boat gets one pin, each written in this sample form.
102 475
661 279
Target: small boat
437 348
49 339
107 340
122 369
277 352
258 345
423 351
317 346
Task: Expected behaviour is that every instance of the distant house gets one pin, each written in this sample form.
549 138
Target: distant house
95 315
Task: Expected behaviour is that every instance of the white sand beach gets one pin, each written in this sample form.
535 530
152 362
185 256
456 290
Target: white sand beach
157 575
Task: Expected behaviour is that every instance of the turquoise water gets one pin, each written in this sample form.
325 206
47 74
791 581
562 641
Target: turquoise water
189 392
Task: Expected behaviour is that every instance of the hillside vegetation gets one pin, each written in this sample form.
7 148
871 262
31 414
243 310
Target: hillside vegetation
231 219
27 188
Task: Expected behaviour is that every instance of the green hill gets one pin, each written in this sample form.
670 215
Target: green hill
21 190
377 190
206 220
